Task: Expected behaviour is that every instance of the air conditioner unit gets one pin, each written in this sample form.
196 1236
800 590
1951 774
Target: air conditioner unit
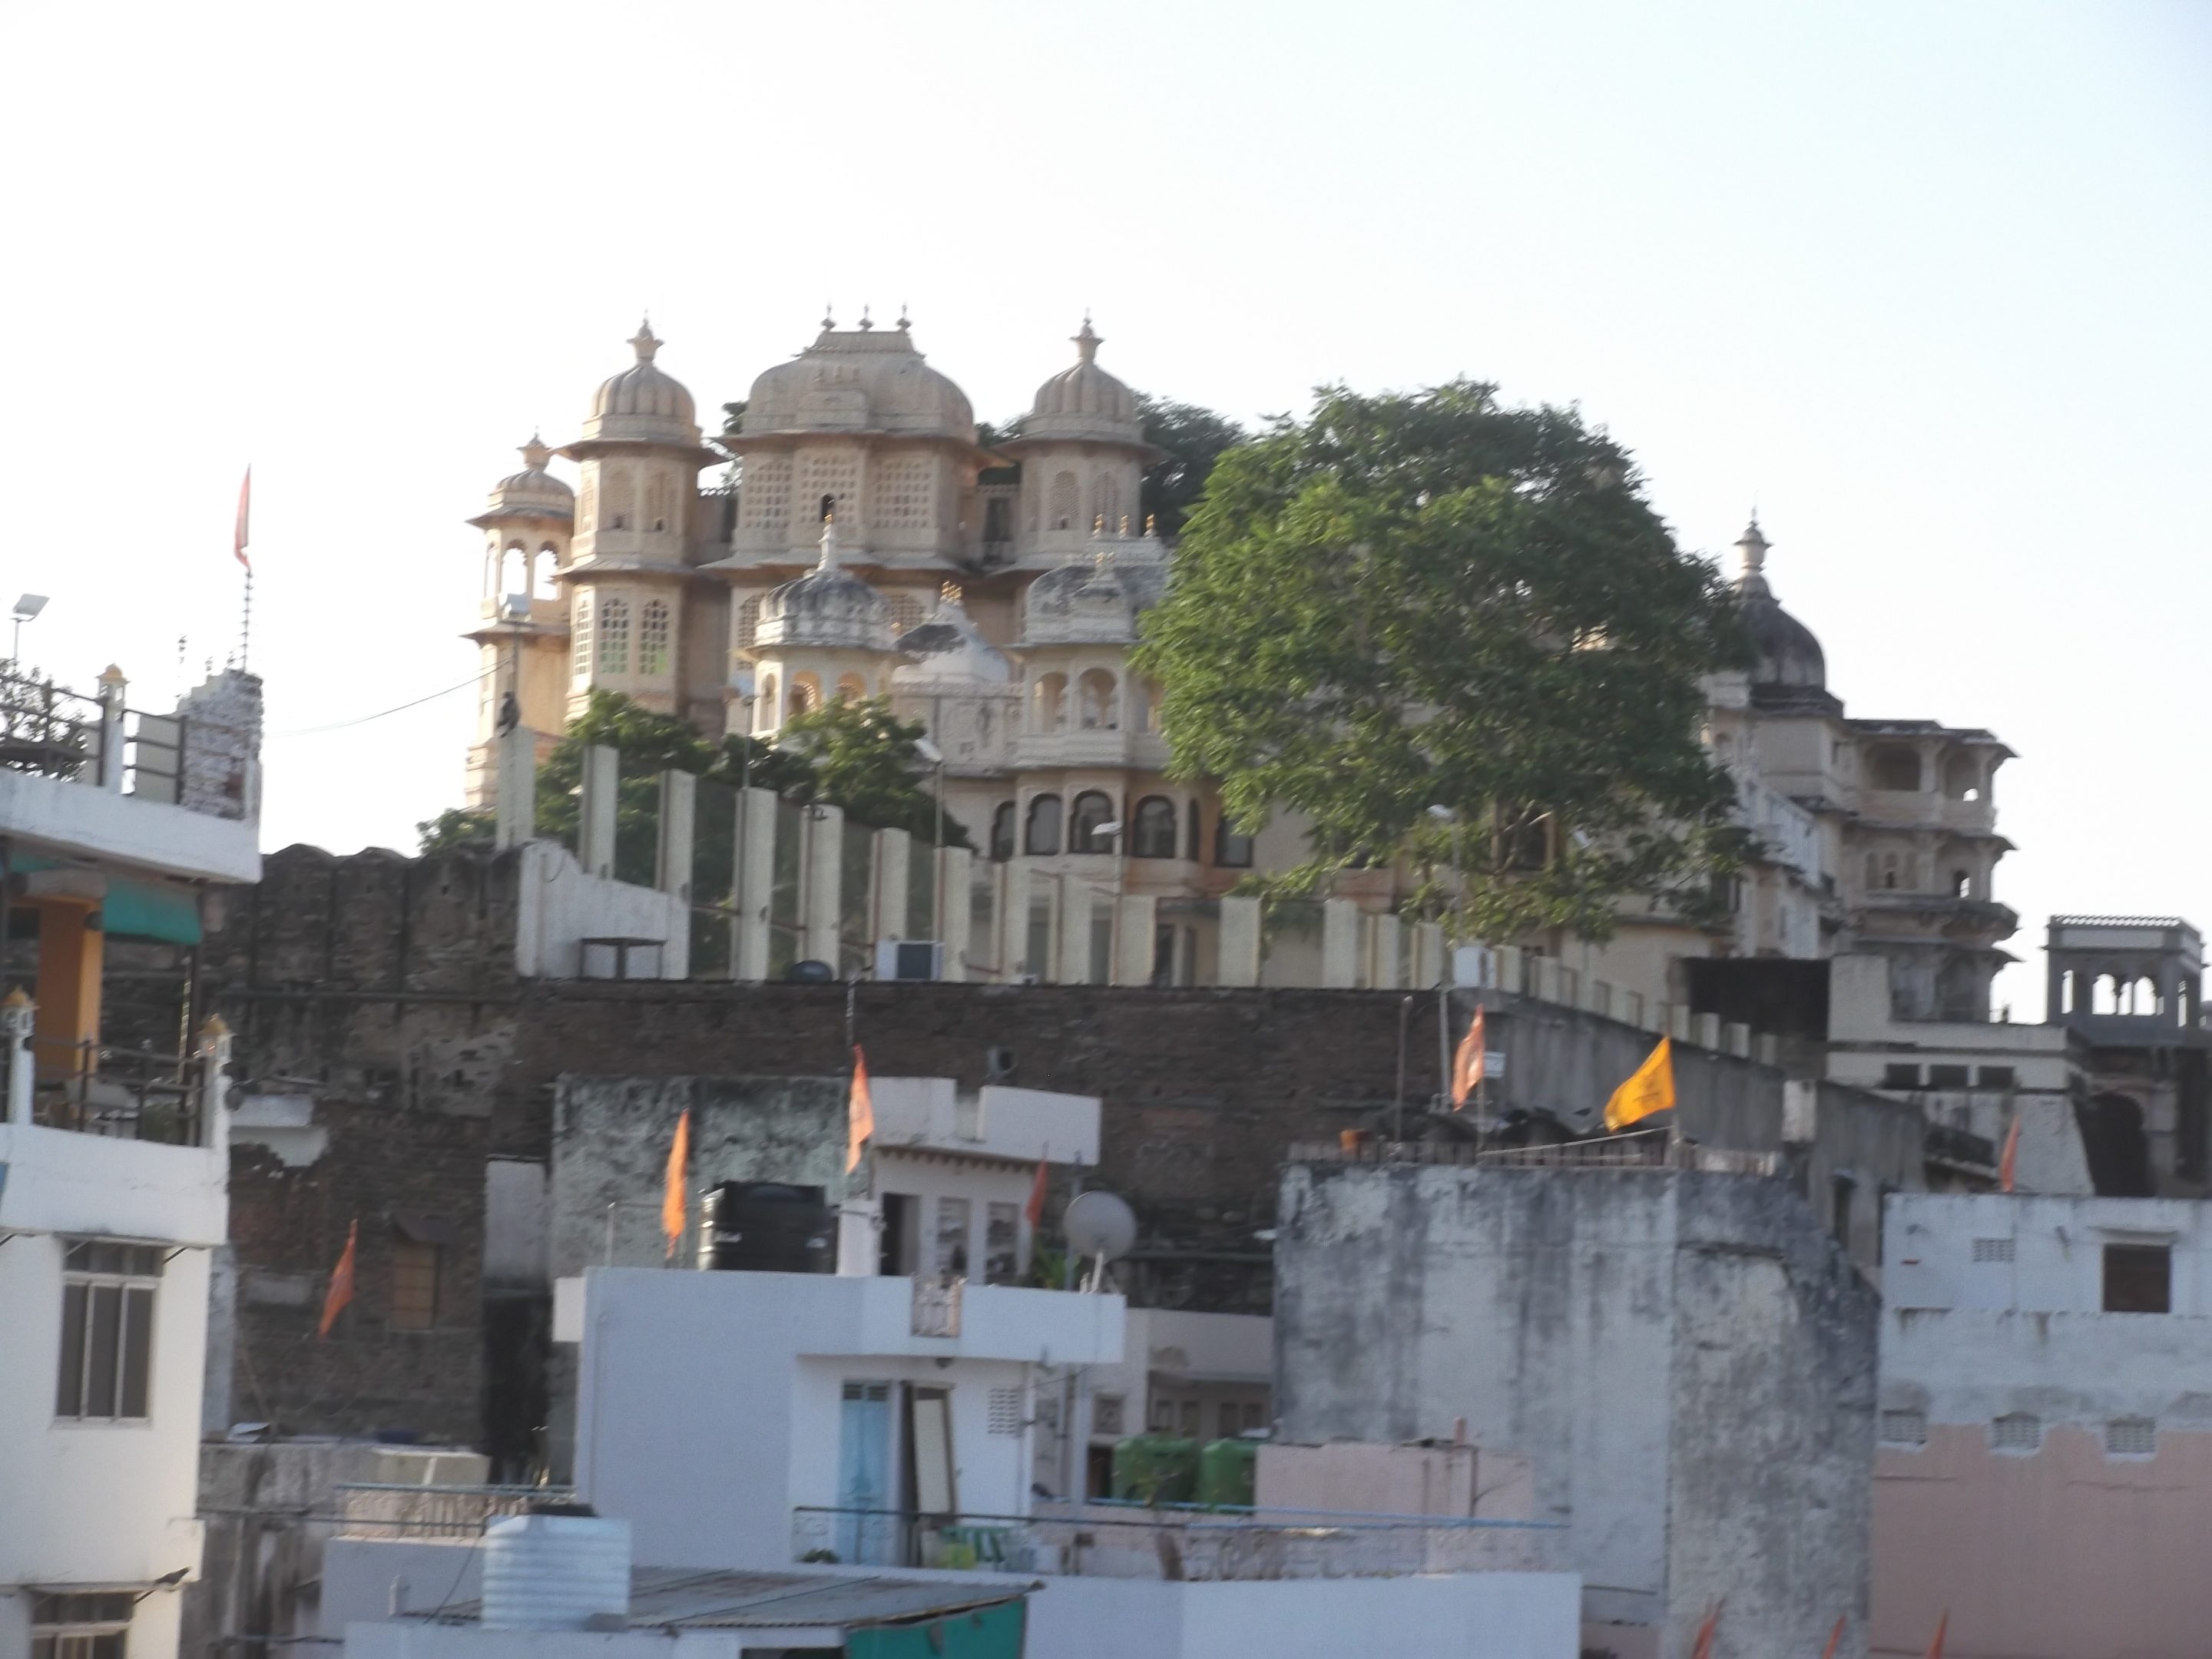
909 958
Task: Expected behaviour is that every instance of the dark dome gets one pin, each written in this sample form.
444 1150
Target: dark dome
1789 672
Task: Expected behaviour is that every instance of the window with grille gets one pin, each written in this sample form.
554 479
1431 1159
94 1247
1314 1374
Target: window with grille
2132 1437
903 493
659 510
1005 1416
414 1286
84 1627
108 1330
2016 1431
621 498
765 502
1993 1249
950 1255
614 637
836 476
1106 1414
1904 1428
906 610
653 638
1001 1252
579 639
1060 515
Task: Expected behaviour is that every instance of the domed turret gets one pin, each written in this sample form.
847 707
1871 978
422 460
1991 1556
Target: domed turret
828 608
533 493
1790 673
1085 603
1084 402
862 380
948 648
643 405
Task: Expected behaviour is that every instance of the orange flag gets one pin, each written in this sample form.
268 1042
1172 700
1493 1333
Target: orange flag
1469 1061
859 1113
341 1291
1649 1089
1704 1649
673 1210
1835 1639
2008 1161
1935 1646
1033 1212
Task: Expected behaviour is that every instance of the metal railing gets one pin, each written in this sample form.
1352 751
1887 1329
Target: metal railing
1657 1149
97 739
132 1094
47 729
1116 1540
368 1509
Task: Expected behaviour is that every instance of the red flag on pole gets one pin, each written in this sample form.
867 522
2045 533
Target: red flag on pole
341 1291
1033 1212
672 1210
2009 1162
245 504
1471 1060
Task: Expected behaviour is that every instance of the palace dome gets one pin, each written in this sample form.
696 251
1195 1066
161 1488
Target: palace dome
643 403
862 380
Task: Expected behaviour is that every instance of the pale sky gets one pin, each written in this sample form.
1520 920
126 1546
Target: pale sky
1929 283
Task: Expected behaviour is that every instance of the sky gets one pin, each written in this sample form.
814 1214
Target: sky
1926 284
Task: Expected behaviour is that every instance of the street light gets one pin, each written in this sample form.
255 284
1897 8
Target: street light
935 756
26 609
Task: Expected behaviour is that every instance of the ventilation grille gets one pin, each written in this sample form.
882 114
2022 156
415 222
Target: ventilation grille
1106 1415
1904 1428
1993 1249
2132 1437
2016 1431
1005 1414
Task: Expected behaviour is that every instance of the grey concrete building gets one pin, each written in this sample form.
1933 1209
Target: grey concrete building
1686 1355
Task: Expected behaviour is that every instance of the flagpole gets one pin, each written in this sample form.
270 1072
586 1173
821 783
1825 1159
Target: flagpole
245 620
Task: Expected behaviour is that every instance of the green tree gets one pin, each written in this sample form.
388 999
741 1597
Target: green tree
1408 603
1194 439
864 758
457 826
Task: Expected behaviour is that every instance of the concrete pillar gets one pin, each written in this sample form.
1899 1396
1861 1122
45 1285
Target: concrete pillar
17 1018
514 797
859 1219
1135 915
215 1087
1385 944
1705 1031
112 735
679 806
595 826
820 856
1074 910
1597 997
892 887
1511 966
752 883
1339 944
70 949
1544 979
1012 923
1237 948
1735 1038
956 909
1429 959
1631 1008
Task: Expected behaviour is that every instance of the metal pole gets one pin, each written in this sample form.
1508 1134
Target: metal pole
937 882
1444 1040
1398 1101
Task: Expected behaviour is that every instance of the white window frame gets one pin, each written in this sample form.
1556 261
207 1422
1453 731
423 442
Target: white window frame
124 1282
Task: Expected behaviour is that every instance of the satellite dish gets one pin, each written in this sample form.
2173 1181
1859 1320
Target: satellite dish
1100 1224
810 972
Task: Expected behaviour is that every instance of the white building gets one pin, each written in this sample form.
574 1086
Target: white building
113 1164
2046 1454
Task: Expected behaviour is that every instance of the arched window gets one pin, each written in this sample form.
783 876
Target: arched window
1146 716
1894 766
1002 831
543 566
579 639
1047 702
614 637
851 689
1060 514
1042 838
1231 851
806 695
1962 778
622 501
1106 500
658 502
1152 833
1091 809
513 572
764 705
653 638
748 622
1099 702
1962 885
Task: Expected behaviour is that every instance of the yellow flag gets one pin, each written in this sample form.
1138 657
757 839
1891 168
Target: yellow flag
1649 1089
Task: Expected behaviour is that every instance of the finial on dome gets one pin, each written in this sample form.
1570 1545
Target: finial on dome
828 316
644 342
867 323
535 455
1086 343
1751 546
904 321
828 541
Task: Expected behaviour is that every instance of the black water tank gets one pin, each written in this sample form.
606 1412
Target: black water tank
767 1227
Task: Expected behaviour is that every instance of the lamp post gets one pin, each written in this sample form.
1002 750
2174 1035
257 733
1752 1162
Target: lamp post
26 609
1446 814
931 753
741 687
1111 831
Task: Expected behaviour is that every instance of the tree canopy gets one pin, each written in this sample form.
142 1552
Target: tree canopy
855 755
1194 440
1454 634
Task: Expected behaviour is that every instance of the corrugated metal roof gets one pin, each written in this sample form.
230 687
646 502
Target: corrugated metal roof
663 1596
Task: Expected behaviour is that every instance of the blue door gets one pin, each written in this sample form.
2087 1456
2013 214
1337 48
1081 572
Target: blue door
864 1476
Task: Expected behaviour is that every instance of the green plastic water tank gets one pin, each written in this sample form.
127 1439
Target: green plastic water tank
1154 1468
1227 1471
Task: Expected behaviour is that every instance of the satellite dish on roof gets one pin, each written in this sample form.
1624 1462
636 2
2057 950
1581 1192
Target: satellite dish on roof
810 972
1100 1226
